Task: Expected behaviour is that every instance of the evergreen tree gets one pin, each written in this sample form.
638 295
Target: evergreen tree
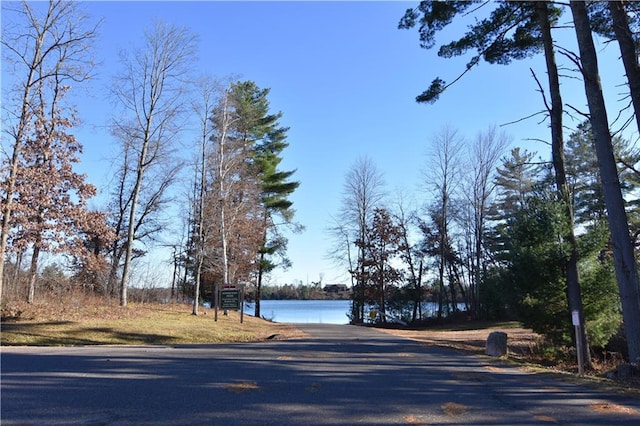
513 30
536 254
515 179
584 177
232 196
266 139
620 20
624 258
600 289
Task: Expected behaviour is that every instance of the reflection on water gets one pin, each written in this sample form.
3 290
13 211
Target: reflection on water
317 311
303 311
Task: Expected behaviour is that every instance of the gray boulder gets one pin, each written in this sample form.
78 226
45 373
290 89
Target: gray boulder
496 344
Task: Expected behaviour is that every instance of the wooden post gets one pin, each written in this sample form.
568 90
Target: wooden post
241 303
215 301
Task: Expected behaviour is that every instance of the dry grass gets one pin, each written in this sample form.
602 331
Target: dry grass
525 349
87 320
472 337
98 322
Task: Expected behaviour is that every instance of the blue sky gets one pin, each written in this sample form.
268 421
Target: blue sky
345 79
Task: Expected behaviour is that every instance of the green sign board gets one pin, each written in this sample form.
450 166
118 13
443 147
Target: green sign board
230 299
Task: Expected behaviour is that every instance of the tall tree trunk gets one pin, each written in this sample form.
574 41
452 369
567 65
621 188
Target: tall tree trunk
16 273
420 290
33 272
477 276
574 295
185 277
443 239
7 209
258 297
465 298
112 280
175 274
261 260
452 289
623 255
362 283
132 216
441 288
223 235
200 245
381 289
628 52
227 121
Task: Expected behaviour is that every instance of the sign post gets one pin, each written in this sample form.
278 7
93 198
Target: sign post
230 297
575 319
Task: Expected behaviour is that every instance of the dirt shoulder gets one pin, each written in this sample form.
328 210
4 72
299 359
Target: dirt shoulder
521 342
83 321
524 351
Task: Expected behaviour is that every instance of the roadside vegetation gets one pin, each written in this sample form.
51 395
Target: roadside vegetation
548 239
91 320
84 319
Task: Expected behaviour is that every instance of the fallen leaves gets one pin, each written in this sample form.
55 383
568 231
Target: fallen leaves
241 387
453 408
613 408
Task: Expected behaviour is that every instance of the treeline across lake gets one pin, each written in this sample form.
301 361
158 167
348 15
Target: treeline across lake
269 292
313 291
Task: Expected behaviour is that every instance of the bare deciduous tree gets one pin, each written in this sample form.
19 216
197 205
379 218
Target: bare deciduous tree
151 91
443 179
226 162
484 155
380 246
203 107
362 192
411 255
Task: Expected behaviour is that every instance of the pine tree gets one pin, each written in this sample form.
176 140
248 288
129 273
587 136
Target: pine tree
513 30
231 197
584 176
625 262
620 20
266 140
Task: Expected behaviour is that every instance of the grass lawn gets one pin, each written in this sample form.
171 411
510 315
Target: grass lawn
96 321
135 324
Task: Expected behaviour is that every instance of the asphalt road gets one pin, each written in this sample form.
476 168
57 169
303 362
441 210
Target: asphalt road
340 375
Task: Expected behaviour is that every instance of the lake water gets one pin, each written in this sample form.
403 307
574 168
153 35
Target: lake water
303 311
316 311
